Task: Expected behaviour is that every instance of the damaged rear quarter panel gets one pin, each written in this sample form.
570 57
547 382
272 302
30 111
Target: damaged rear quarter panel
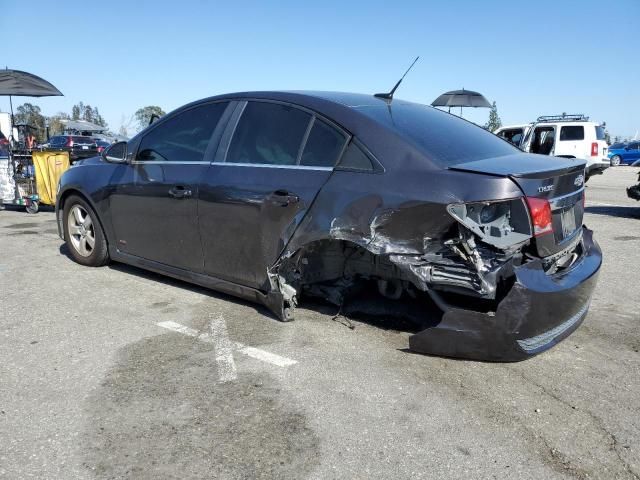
394 212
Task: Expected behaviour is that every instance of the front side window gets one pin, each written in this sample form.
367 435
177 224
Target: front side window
268 134
182 138
323 146
571 133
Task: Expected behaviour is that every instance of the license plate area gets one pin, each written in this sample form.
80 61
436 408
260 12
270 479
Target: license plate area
568 221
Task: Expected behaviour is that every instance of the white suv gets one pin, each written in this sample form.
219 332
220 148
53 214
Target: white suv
571 136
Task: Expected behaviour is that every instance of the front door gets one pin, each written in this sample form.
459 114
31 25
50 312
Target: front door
154 205
252 201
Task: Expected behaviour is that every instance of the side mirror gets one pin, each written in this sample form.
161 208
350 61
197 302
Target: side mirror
116 153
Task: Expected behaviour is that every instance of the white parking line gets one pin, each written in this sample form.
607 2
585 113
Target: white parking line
252 352
265 356
223 349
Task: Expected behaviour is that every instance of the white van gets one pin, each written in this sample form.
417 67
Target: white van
570 136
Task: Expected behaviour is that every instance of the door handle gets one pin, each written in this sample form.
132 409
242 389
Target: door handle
180 191
284 198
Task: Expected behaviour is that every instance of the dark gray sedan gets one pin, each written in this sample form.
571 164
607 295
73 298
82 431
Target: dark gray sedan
271 196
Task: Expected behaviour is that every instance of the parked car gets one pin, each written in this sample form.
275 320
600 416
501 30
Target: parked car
569 136
513 133
273 196
626 154
78 146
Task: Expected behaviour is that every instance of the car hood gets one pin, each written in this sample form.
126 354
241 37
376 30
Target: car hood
520 165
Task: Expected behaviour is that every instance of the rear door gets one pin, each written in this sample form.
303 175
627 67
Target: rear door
154 205
273 160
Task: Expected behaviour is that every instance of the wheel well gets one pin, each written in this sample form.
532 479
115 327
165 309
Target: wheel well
78 193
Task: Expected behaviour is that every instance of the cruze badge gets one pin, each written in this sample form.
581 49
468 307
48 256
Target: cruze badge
546 188
579 180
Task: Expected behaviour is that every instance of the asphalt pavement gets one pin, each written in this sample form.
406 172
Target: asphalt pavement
115 372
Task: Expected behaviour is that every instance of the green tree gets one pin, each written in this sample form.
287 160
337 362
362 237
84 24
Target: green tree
144 114
494 119
56 125
31 115
80 111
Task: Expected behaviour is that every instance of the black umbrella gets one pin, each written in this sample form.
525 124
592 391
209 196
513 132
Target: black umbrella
461 98
23 84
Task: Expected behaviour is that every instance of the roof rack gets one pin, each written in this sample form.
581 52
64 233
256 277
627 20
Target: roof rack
574 117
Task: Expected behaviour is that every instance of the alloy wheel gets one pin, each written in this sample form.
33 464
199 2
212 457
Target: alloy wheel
81 232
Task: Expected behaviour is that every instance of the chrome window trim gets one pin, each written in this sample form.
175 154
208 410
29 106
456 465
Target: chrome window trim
170 162
269 165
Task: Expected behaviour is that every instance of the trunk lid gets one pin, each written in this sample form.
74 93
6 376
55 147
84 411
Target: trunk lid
558 180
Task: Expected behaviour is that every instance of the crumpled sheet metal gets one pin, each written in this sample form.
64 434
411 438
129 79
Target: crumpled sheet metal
537 303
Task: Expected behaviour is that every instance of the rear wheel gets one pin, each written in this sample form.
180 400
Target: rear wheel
83 233
615 160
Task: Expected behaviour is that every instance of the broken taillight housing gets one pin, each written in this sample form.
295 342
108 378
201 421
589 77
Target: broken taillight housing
540 210
503 224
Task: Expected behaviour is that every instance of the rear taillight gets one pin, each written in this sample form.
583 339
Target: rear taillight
594 149
540 210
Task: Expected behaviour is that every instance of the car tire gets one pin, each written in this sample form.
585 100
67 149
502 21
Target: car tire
83 233
615 160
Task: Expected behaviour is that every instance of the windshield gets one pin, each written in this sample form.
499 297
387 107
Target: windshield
446 139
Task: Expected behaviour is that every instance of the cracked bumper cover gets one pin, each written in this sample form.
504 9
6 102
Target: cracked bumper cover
539 311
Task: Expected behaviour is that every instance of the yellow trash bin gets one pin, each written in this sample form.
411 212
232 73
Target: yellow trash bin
49 167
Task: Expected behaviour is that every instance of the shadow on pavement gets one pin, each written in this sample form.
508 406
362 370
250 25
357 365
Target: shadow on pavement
161 412
615 211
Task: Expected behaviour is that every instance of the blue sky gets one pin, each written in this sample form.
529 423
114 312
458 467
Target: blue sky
575 56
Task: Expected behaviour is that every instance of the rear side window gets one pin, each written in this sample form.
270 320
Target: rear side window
269 134
355 159
323 146
600 133
572 133
182 138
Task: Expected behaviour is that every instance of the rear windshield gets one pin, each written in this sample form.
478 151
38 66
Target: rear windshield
58 140
600 133
446 139
83 140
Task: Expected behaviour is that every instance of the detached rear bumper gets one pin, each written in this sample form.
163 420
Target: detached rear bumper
538 312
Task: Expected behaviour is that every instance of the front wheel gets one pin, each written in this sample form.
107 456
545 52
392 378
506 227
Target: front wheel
83 233
615 160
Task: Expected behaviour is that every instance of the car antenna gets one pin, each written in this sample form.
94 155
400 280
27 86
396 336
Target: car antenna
389 96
